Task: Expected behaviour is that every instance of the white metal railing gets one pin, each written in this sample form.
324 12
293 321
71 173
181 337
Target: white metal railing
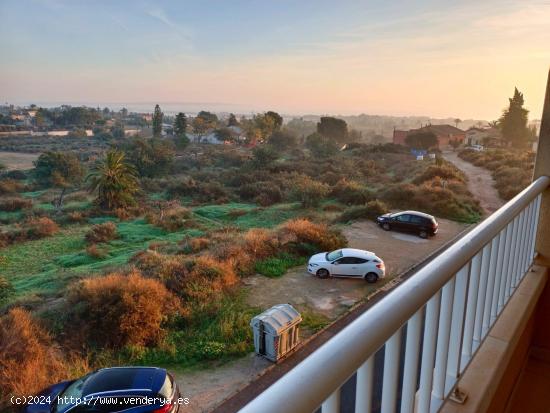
443 313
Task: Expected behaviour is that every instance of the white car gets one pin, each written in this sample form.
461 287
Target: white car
347 262
477 148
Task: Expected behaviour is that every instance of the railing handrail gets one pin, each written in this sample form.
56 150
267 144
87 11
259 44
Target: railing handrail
307 385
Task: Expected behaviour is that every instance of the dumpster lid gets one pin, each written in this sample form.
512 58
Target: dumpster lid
278 318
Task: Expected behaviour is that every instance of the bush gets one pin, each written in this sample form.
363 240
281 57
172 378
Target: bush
371 210
308 191
199 244
263 193
29 360
197 279
351 192
95 252
10 186
445 171
172 218
118 310
319 235
41 227
15 204
102 233
6 290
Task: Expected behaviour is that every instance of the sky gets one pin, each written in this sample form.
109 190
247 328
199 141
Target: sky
436 58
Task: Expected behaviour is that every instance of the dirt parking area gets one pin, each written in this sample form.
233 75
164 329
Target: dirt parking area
328 297
17 160
333 296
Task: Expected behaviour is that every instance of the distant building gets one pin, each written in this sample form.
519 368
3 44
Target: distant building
444 134
484 136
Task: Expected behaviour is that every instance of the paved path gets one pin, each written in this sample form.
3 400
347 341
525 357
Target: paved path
480 183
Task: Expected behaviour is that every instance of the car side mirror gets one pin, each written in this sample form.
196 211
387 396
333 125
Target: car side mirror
335 263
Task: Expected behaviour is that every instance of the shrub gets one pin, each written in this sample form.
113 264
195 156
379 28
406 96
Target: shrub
308 191
118 310
172 218
371 210
445 171
15 204
198 244
263 193
101 233
194 279
6 289
260 243
29 360
351 192
41 227
95 252
76 217
308 232
10 186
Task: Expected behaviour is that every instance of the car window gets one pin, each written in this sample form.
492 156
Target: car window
415 219
360 260
346 260
403 218
334 255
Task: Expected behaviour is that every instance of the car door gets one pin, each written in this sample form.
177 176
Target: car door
402 222
346 267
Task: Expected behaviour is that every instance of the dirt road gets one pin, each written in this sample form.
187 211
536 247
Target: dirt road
480 183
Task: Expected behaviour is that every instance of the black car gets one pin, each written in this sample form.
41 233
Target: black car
115 389
409 221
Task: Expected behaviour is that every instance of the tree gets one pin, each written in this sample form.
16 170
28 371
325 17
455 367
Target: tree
151 157
157 122
321 146
421 140
225 134
180 125
283 139
115 181
333 128
277 119
513 122
232 121
493 124
457 121
203 122
264 155
59 170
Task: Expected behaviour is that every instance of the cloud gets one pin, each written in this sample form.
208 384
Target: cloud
160 15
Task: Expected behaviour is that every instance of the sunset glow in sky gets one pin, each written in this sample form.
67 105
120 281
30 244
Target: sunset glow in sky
436 58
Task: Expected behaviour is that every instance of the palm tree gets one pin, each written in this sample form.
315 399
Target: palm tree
457 121
115 181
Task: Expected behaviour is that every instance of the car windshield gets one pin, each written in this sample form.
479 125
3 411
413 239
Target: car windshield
74 390
334 255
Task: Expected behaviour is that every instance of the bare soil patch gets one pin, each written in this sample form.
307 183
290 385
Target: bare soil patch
18 160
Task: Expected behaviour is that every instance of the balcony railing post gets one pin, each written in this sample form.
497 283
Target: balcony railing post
542 167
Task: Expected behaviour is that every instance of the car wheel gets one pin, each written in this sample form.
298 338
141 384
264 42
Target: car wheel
323 273
423 234
371 277
386 226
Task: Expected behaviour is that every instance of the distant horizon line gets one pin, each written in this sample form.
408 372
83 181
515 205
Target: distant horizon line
124 104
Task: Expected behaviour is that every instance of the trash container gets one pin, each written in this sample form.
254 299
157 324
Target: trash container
276 331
